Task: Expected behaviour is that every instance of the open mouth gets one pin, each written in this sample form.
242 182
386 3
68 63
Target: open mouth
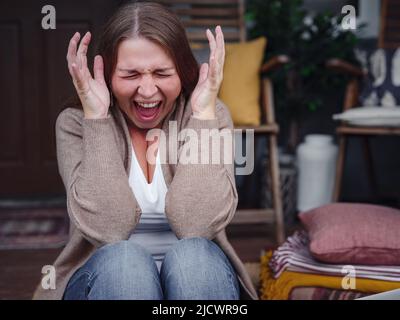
147 111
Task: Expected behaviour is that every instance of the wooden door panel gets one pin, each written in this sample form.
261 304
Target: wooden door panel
11 124
34 82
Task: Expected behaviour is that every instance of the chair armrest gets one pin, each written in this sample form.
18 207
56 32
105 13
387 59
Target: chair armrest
345 67
274 62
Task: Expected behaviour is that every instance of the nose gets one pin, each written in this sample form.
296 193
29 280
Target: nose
147 87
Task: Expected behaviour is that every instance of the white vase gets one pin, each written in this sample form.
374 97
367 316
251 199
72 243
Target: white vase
316 162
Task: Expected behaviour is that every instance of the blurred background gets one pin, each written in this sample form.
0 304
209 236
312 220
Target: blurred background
35 82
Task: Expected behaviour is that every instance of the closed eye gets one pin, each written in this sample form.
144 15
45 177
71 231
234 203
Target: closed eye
133 76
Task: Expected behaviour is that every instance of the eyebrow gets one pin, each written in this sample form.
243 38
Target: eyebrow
134 70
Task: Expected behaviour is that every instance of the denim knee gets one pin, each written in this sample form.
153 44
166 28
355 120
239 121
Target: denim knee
193 249
122 253
197 268
122 270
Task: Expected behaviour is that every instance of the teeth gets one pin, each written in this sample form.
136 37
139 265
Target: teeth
148 105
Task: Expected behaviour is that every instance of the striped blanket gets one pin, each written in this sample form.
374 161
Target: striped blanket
294 255
291 285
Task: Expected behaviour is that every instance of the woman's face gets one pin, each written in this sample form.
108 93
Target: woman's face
145 82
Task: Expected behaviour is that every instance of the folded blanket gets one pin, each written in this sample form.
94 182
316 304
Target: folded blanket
318 293
281 287
294 255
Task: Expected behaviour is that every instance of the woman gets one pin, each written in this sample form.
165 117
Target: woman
142 228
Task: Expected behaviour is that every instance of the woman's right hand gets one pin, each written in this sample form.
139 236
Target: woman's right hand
92 92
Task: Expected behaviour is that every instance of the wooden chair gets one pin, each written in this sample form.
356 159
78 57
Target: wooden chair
197 15
388 38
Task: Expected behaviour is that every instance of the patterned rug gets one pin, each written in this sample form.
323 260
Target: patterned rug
37 228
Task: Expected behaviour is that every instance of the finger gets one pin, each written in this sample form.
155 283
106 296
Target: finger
82 50
203 72
220 45
73 43
212 71
211 41
98 69
83 46
77 78
71 53
212 44
219 52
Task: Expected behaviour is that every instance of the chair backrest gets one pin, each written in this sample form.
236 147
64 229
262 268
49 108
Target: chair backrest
198 15
389 33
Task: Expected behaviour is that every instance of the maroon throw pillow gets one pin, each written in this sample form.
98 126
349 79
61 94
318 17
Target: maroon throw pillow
354 233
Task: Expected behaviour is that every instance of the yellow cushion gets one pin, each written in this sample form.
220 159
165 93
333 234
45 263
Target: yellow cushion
240 88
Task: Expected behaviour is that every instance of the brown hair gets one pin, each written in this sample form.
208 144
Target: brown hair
153 22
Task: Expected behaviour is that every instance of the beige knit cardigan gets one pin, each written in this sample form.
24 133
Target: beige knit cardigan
94 157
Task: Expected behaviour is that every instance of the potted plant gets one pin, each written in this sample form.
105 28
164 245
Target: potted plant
304 85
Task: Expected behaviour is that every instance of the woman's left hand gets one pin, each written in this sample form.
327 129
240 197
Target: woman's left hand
204 96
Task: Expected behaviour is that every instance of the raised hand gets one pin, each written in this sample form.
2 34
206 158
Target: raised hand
93 92
204 96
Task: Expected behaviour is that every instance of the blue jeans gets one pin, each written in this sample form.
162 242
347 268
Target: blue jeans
193 269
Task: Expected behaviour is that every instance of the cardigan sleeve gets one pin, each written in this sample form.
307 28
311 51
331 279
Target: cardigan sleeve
202 198
100 201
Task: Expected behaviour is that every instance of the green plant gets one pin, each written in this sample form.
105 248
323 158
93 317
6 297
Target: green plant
305 84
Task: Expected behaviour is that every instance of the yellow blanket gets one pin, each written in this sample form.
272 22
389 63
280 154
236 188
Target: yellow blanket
280 288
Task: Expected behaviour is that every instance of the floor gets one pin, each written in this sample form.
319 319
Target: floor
20 270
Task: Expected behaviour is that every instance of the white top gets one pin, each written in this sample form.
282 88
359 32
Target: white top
153 231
